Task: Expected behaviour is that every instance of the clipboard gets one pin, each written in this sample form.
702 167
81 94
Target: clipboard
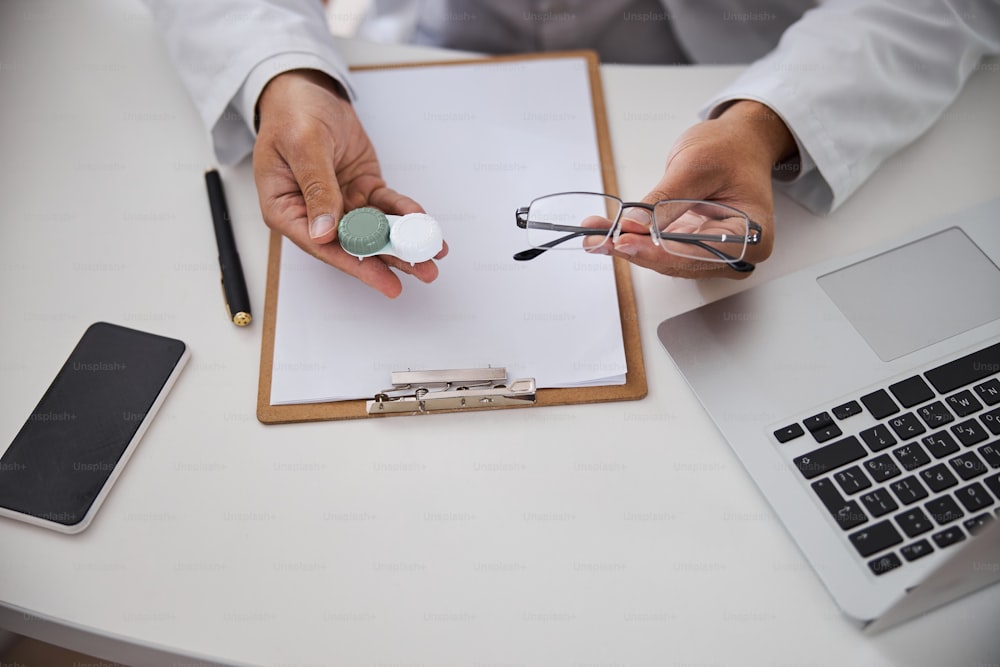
635 386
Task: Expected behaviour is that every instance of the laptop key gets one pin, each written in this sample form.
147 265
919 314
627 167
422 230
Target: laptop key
852 480
879 502
826 433
964 403
969 432
992 421
974 497
911 391
875 538
788 433
991 454
830 457
948 536
935 414
907 426
878 437
919 549
909 490
989 391
938 477
846 410
846 513
880 404
965 370
914 522
822 427
944 510
940 444
881 468
977 523
911 456
886 563
817 422
993 484
968 465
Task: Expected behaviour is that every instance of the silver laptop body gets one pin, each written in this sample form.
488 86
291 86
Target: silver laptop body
780 357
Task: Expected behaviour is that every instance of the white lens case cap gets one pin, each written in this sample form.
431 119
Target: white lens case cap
415 237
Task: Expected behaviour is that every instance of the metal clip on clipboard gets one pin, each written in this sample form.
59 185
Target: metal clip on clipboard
417 392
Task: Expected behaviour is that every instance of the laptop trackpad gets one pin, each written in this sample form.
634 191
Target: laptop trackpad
918 294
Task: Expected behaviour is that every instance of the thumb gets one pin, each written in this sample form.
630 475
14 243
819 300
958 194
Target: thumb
691 172
639 221
317 179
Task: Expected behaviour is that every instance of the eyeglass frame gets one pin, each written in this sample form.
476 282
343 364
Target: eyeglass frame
740 265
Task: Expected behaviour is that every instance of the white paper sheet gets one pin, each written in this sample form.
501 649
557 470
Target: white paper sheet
471 143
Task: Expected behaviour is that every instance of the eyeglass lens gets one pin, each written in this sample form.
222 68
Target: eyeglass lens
705 225
571 221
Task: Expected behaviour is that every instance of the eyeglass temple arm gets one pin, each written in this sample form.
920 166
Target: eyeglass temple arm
752 237
741 266
532 253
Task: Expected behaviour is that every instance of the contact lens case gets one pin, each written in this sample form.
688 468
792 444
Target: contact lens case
367 231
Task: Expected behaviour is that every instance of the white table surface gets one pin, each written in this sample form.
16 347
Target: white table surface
614 534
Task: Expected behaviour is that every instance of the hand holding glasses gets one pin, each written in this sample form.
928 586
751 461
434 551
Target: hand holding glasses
694 229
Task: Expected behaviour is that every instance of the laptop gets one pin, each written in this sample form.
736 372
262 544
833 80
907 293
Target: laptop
863 397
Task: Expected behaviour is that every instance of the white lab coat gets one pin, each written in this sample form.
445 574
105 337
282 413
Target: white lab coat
855 80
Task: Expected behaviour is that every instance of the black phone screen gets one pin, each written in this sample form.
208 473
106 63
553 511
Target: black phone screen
60 460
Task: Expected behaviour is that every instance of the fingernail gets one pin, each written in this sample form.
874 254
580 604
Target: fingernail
638 216
321 225
626 249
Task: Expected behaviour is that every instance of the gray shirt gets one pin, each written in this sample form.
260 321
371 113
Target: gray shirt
621 31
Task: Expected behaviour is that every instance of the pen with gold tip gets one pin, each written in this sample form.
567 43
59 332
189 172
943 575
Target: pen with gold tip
234 286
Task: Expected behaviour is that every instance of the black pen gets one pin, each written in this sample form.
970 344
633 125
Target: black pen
234 286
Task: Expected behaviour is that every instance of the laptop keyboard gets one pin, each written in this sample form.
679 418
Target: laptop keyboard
921 473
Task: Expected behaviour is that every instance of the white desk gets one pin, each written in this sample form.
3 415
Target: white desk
617 534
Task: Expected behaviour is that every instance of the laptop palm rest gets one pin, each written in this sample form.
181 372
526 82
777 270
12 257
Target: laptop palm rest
918 294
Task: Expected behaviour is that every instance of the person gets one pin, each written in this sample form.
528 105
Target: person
831 91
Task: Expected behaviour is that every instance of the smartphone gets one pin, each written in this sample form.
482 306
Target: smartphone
73 446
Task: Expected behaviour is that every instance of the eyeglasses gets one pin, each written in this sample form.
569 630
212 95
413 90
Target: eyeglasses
694 229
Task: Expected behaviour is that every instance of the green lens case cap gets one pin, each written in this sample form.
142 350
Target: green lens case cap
363 231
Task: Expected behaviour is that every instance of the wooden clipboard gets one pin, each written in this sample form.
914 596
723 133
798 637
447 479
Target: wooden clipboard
635 384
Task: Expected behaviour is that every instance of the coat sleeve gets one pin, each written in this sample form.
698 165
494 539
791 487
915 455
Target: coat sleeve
227 50
856 80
